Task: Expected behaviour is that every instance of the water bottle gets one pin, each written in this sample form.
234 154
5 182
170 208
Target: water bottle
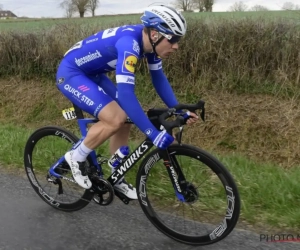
118 157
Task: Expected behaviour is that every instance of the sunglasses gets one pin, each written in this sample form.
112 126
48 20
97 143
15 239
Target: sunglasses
171 39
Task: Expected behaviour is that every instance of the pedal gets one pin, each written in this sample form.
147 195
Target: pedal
101 159
89 170
55 181
50 179
122 197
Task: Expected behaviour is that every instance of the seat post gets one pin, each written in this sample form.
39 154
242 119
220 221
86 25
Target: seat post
78 112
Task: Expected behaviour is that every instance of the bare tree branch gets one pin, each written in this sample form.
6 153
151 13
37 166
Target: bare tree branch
238 6
208 4
69 8
204 5
290 6
80 5
199 4
185 5
259 8
93 5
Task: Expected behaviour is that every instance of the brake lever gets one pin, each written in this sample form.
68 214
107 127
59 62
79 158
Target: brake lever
202 114
181 122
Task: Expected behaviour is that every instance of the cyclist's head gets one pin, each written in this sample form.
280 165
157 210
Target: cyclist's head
165 20
167 23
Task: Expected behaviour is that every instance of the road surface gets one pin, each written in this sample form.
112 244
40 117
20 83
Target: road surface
27 222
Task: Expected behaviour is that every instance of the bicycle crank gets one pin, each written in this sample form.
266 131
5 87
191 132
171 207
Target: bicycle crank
122 197
104 192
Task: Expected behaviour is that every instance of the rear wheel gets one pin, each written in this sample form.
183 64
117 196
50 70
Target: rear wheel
211 208
43 148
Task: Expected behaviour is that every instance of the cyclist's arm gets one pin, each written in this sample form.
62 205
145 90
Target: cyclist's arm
125 84
160 81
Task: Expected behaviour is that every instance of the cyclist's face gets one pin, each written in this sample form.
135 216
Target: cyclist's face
164 49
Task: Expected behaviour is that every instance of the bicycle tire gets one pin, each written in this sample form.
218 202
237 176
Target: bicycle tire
214 234
30 170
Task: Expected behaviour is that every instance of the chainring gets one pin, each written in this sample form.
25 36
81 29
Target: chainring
104 192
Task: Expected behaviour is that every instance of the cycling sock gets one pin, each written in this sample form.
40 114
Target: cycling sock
81 152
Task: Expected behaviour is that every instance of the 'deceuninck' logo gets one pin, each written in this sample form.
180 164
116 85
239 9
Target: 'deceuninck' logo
88 58
279 238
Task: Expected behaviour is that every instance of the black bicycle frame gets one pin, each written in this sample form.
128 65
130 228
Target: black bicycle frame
130 161
176 176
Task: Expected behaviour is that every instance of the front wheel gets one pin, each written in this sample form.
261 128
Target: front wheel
211 207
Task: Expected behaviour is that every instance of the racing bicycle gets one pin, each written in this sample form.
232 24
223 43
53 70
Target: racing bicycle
184 191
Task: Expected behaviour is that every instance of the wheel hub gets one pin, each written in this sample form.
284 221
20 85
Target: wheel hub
191 194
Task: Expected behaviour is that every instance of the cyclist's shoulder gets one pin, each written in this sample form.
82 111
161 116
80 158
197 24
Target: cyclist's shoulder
129 33
129 40
134 30
119 32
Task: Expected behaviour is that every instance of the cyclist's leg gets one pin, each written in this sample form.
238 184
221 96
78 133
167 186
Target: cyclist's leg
86 94
120 138
90 97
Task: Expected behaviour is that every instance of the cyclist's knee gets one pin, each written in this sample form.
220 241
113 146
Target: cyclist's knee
117 122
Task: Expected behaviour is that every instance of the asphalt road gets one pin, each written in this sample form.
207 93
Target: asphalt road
27 222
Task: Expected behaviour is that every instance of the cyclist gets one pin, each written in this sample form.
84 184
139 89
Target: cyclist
81 77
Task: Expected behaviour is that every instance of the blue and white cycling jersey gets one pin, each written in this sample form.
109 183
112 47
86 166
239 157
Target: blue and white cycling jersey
116 49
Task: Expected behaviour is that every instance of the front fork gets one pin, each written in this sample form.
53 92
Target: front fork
176 175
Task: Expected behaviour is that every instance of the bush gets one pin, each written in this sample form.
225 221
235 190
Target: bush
231 54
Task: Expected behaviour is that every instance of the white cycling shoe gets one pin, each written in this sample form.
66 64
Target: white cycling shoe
127 189
81 180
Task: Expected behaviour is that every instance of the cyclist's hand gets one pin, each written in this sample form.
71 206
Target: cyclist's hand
190 117
161 139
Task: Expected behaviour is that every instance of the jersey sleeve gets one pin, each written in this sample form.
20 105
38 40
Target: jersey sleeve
160 81
128 54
